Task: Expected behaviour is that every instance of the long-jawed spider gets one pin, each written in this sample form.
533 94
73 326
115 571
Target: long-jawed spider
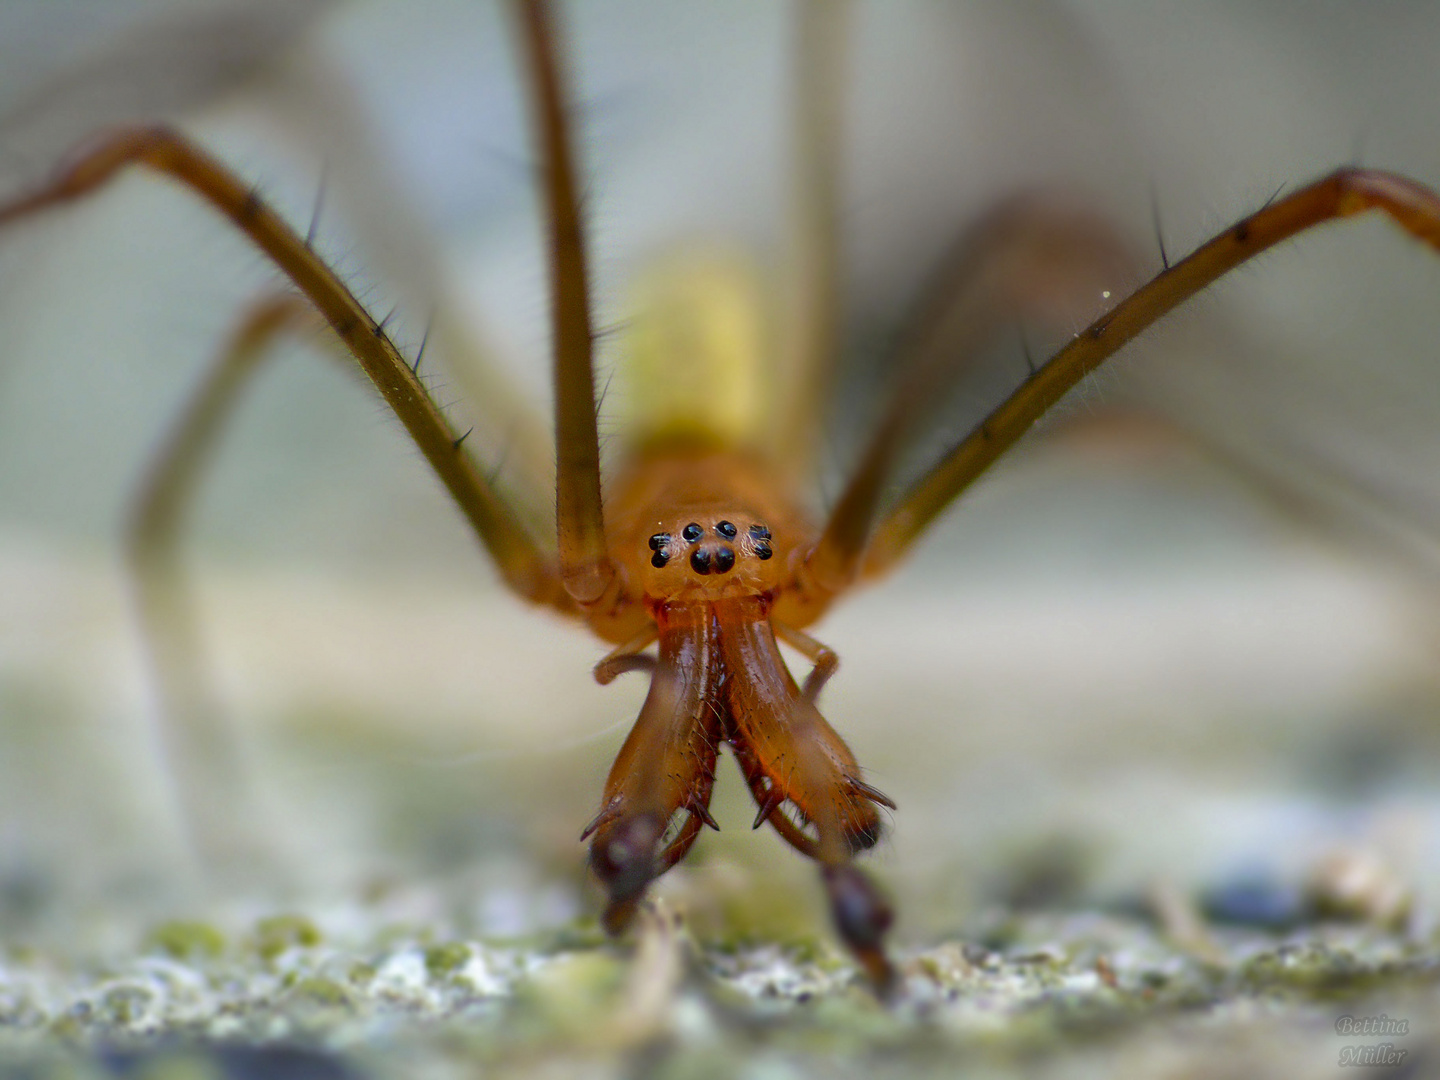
701 542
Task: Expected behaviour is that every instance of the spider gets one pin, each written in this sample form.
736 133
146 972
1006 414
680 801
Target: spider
702 542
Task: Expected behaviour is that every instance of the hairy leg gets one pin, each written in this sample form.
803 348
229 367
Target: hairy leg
1029 259
524 567
811 340
1344 193
585 566
315 103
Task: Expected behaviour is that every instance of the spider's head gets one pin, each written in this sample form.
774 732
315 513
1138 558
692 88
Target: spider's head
713 555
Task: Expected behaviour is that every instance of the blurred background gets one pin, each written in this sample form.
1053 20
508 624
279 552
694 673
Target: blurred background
1184 634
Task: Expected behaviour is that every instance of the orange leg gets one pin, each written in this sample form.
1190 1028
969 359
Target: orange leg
585 565
822 656
222 811
170 482
628 657
812 313
1344 193
523 566
1030 259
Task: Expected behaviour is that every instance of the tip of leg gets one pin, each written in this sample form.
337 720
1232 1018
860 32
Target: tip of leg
623 858
619 914
862 916
881 972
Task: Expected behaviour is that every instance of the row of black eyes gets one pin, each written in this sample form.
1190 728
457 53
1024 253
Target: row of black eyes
701 560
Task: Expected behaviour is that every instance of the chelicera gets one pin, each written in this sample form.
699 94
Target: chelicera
702 544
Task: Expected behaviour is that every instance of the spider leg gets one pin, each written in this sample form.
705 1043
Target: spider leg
171 479
822 656
628 657
585 567
524 567
315 104
1030 258
217 790
1343 193
1310 490
811 332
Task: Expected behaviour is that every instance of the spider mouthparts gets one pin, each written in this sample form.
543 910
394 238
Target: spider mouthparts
701 811
768 805
606 815
874 794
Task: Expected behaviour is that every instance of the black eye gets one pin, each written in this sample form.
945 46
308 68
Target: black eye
659 540
724 560
725 529
759 532
763 550
659 559
700 561
691 532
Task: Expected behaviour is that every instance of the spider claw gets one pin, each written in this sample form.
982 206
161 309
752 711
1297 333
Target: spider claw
874 794
607 814
768 804
701 811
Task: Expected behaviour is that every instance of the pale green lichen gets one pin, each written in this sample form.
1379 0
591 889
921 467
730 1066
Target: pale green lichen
318 990
277 933
184 940
446 959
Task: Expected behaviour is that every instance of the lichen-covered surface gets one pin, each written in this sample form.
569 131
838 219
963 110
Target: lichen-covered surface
349 990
